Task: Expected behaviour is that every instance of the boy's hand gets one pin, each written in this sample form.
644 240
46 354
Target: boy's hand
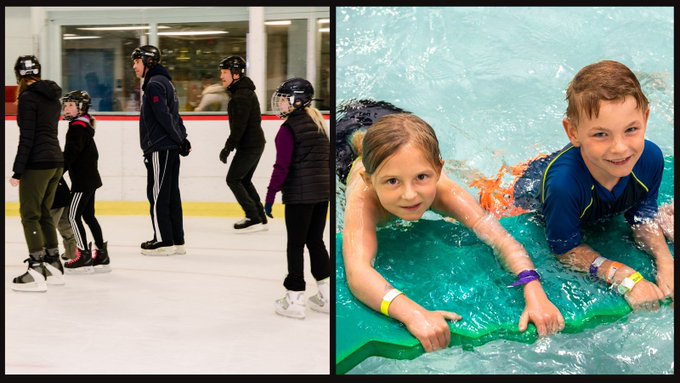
185 148
224 153
14 182
665 280
644 296
431 328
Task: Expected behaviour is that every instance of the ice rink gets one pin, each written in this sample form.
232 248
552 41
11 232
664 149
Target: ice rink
210 311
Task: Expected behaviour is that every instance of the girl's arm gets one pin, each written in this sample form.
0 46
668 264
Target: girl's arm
452 200
362 214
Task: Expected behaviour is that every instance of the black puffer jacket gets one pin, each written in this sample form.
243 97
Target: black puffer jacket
81 155
38 114
308 179
245 118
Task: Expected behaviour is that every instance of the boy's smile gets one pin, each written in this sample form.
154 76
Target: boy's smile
612 142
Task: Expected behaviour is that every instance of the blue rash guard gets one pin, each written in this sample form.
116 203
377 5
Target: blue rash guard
570 197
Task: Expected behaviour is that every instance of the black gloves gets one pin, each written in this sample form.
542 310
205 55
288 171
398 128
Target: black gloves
224 154
184 148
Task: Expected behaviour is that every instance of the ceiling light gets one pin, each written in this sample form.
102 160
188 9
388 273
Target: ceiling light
81 37
192 33
127 28
324 21
278 22
324 30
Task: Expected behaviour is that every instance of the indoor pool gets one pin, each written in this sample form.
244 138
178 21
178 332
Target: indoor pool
491 82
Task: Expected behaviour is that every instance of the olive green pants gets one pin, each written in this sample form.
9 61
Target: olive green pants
60 217
36 194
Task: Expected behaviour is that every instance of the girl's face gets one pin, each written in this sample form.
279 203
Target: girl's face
405 183
284 105
70 109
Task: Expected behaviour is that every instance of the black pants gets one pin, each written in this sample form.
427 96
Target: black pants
162 191
305 224
82 205
240 181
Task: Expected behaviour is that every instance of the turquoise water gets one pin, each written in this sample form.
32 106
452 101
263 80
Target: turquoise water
491 82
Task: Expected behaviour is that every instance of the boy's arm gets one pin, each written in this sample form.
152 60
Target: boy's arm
238 120
644 295
563 235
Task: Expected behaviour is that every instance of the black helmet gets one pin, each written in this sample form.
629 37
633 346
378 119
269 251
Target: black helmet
27 66
149 54
297 92
236 64
82 100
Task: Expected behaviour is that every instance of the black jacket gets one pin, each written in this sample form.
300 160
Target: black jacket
245 118
62 197
38 114
309 175
81 155
160 125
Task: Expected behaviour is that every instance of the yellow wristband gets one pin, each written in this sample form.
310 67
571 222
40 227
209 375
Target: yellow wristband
629 282
387 299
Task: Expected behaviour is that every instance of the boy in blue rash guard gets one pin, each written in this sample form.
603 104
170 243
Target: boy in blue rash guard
607 169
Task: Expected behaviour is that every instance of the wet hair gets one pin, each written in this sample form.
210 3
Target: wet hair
389 133
602 81
353 117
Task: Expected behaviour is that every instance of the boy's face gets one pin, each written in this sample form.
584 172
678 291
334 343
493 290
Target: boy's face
138 67
227 78
70 109
405 183
612 142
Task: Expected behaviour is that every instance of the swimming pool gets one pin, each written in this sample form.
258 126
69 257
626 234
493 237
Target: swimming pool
491 82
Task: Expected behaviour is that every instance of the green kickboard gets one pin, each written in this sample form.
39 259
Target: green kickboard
444 266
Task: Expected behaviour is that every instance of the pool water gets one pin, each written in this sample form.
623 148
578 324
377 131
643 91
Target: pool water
491 82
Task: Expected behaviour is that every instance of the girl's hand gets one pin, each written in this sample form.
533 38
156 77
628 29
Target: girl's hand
540 311
644 296
431 328
14 182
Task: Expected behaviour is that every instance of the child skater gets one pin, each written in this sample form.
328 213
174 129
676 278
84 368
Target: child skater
80 160
302 173
398 175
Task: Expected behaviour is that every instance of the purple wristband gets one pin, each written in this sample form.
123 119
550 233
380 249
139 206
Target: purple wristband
525 277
